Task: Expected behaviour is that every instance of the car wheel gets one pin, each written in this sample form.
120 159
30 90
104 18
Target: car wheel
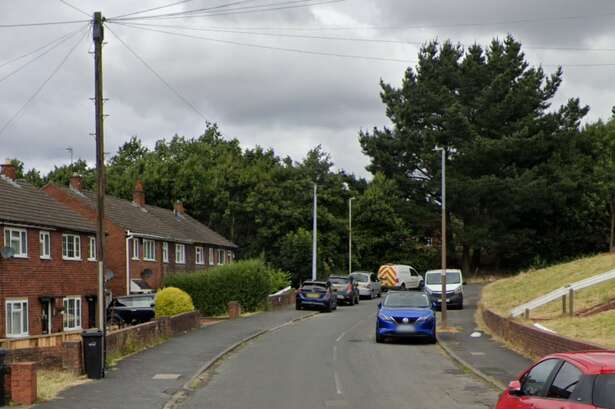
433 340
328 308
379 338
421 285
403 286
115 320
298 306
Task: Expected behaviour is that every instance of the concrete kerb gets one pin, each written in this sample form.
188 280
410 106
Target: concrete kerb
184 392
497 385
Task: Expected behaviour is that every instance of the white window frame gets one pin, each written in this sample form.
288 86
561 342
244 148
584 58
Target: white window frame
92 248
135 248
76 240
76 319
165 252
222 253
147 243
22 251
211 256
229 256
44 238
199 255
180 250
24 322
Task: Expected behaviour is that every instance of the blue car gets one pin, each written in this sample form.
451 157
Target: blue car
316 294
406 314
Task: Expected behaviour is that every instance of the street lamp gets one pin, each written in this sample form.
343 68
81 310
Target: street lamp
443 307
314 233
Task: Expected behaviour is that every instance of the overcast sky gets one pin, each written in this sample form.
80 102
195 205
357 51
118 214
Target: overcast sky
287 100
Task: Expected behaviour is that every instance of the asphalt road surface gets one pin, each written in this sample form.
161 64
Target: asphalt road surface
332 361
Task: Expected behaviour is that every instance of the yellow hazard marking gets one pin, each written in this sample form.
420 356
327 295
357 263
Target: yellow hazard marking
387 275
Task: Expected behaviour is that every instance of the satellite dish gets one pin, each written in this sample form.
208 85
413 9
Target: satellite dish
7 252
147 273
109 275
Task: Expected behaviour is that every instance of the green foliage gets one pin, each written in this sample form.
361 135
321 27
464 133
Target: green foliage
248 282
278 280
171 301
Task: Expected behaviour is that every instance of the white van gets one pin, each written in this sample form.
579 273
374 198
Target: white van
399 276
454 287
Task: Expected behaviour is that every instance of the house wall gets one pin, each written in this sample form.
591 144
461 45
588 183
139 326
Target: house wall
32 277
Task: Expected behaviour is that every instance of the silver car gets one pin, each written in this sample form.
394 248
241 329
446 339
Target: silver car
369 286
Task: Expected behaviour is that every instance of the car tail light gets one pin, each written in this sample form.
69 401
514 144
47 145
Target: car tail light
396 280
349 289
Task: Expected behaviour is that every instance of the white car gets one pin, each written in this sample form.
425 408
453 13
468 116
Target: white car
454 287
399 276
369 286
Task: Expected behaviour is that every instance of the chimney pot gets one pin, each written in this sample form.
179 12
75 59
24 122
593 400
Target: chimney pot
8 170
179 207
76 182
138 196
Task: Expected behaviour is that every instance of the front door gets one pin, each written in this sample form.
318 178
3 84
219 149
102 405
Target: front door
47 327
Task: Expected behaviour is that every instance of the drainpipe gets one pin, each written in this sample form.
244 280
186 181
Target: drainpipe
129 237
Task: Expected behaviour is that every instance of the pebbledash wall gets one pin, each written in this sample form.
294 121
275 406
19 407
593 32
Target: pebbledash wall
535 342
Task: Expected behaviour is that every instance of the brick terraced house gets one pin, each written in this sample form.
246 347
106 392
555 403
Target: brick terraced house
144 243
48 275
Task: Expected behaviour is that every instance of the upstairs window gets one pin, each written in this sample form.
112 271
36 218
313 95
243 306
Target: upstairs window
45 244
149 250
17 239
92 253
135 249
71 247
199 255
165 252
180 253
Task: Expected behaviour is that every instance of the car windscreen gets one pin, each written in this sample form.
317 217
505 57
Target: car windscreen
406 300
338 280
311 286
362 278
137 302
452 277
604 391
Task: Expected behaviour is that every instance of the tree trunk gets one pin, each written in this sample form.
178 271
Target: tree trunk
465 259
612 211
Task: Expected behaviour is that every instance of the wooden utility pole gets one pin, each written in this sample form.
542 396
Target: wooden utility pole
98 37
443 306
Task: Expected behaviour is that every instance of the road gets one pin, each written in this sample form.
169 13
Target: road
333 361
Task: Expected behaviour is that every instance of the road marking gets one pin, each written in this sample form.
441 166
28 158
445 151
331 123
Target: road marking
476 334
477 353
338 339
334 353
338 384
166 376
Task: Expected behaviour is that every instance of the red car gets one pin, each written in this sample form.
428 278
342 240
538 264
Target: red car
576 380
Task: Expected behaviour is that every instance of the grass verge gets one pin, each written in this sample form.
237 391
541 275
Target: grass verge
50 383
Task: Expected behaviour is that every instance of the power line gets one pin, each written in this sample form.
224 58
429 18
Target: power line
267 47
66 3
40 88
153 71
152 9
46 23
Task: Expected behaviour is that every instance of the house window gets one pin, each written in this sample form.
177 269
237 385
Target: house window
135 249
45 244
92 253
17 239
16 318
71 247
200 255
229 256
165 252
211 256
180 253
149 250
72 313
220 256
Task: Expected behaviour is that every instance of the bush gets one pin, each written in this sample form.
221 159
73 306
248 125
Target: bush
278 280
172 301
249 282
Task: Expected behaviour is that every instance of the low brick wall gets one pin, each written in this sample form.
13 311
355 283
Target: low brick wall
536 342
282 300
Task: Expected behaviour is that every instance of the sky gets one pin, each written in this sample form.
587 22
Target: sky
290 98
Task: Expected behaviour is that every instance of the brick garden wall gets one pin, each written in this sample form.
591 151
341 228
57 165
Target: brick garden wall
535 342
282 300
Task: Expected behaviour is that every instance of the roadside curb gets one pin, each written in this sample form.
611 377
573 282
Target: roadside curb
499 386
186 389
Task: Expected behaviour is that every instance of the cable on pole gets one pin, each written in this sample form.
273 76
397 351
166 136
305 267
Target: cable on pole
77 9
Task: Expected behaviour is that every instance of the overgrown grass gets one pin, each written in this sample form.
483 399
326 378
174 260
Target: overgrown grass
130 347
505 294
50 383
598 328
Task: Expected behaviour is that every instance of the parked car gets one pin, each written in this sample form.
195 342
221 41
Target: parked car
454 287
369 286
405 314
574 380
131 309
347 289
398 276
318 294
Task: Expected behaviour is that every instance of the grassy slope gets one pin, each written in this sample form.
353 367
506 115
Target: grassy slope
503 295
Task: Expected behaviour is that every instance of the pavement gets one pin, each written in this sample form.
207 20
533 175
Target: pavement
477 349
333 361
149 379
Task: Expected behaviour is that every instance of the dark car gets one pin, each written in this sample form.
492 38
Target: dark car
316 294
131 310
347 289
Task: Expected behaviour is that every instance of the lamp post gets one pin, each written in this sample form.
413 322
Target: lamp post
314 232
443 307
350 234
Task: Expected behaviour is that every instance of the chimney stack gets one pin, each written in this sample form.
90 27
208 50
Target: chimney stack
138 196
76 182
179 207
8 170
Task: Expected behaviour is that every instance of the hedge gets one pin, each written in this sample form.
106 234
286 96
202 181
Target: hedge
171 301
249 282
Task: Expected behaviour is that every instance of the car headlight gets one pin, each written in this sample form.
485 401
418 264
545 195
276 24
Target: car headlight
385 317
424 318
458 290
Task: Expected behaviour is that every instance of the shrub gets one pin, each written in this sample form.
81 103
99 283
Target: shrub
249 282
172 301
278 280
